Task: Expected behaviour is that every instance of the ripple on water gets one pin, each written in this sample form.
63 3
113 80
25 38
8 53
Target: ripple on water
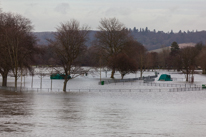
103 114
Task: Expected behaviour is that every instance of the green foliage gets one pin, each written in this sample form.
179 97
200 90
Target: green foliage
174 46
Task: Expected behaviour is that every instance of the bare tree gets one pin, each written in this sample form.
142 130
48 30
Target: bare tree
163 56
136 51
111 38
201 60
44 55
69 43
5 66
151 60
17 44
188 57
93 56
141 59
124 64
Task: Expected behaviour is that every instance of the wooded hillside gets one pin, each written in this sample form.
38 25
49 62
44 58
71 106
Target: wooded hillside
150 39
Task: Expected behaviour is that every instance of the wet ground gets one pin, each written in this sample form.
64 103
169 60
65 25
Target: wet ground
143 114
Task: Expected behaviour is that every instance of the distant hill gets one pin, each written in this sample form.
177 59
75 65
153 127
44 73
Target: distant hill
181 45
154 40
150 39
43 37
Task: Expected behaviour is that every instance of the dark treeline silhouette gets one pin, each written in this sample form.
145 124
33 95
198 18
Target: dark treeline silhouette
150 39
154 39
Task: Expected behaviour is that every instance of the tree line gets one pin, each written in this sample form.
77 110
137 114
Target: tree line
154 39
186 59
113 47
150 39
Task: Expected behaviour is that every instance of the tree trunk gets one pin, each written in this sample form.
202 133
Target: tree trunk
187 76
100 74
113 71
51 84
122 75
203 71
32 82
21 77
141 72
16 83
4 83
15 75
41 82
65 85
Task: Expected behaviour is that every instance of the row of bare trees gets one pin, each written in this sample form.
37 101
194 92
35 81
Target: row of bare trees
17 45
18 49
113 48
116 49
185 59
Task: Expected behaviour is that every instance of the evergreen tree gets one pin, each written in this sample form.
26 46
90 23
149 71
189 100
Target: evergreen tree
134 30
174 48
146 29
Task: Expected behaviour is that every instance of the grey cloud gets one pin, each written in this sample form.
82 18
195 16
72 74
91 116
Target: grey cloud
30 7
33 4
174 9
118 11
62 8
202 14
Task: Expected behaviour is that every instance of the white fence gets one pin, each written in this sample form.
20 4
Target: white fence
168 85
102 90
186 89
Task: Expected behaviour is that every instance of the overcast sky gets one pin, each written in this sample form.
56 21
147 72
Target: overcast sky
165 15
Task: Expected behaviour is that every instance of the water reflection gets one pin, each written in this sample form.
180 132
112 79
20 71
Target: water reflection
102 114
15 112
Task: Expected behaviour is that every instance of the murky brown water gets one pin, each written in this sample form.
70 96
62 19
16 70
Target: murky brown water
103 114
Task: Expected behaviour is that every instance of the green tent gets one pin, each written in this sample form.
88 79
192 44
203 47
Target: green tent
165 77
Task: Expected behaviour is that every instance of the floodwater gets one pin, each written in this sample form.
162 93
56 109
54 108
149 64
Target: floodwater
138 114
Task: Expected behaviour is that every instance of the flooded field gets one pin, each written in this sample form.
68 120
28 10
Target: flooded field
143 114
